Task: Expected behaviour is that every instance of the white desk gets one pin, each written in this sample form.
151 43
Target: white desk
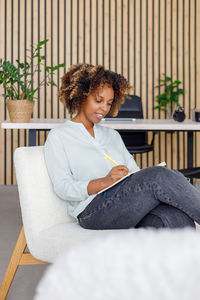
139 124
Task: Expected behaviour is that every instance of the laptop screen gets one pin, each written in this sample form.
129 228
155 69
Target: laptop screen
116 119
130 110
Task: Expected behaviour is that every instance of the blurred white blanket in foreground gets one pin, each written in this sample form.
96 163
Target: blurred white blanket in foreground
137 264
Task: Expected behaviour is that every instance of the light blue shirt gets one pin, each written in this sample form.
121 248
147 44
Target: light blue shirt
74 158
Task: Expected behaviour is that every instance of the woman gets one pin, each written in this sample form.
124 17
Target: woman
74 154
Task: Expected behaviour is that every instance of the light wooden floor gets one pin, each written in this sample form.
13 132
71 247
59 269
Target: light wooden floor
27 277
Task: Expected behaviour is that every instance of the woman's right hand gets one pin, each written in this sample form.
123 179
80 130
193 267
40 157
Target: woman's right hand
115 174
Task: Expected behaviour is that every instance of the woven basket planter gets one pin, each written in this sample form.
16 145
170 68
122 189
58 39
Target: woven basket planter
20 110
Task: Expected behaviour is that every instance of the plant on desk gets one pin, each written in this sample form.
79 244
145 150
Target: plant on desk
18 82
168 100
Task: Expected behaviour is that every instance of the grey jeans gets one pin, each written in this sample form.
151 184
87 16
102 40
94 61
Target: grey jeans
155 197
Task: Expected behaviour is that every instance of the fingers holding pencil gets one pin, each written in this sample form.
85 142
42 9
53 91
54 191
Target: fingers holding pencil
117 173
121 168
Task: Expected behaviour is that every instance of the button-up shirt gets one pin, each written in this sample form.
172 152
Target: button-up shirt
73 158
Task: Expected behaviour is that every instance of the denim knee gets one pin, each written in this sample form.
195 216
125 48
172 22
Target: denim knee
161 171
154 173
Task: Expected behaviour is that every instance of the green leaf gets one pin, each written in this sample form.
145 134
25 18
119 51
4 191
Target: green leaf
157 106
181 91
51 68
41 43
61 65
47 68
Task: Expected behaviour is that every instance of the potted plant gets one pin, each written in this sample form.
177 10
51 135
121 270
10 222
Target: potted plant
17 81
168 100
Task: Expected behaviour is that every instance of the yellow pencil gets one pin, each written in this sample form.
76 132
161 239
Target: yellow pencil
110 159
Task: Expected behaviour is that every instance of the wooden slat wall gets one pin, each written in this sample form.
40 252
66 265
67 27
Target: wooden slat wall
139 38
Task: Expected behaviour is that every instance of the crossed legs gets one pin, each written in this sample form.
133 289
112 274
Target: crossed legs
155 196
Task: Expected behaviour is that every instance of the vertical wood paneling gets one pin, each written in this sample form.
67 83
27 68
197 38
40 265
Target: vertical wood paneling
14 53
137 54
113 37
131 41
149 82
143 67
162 13
41 93
139 39
8 24
125 45
174 74
61 42
81 31
180 70
155 65
87 31
197 67
100 31
2 107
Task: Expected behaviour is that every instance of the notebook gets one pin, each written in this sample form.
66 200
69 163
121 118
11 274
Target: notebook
162 164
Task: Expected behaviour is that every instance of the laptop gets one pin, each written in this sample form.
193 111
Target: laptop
117 119
129 111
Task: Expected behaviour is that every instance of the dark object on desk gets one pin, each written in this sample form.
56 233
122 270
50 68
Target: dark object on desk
179 114
135 141
197 115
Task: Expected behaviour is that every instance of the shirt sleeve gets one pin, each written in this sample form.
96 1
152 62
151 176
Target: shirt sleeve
64 185
130 162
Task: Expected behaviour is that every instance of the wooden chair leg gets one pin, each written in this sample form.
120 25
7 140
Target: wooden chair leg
13 264
18 258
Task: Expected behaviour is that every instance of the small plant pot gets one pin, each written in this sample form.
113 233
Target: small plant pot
179 115
20 110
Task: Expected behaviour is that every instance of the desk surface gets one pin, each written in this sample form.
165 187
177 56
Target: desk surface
139 124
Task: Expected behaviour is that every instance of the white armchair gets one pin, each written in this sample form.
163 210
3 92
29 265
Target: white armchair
48 228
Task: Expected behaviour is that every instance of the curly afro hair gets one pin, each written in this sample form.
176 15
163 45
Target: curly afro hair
84 79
